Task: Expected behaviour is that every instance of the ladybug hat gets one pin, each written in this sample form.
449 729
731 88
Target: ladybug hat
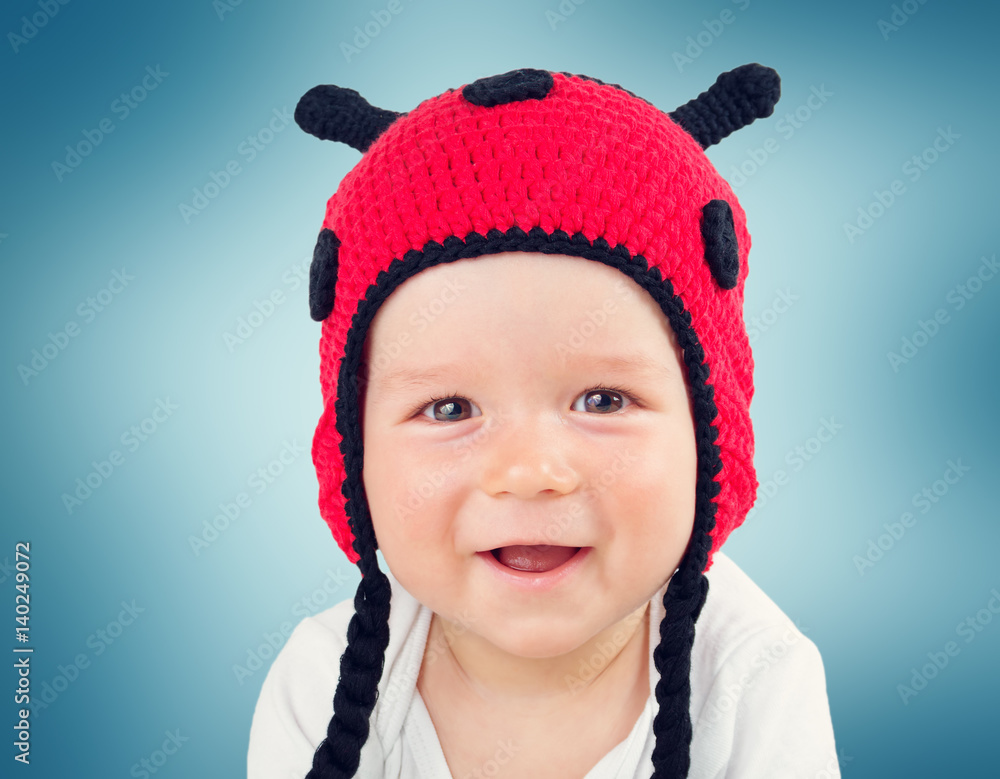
556 163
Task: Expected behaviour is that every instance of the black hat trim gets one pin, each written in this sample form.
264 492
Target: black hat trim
537 240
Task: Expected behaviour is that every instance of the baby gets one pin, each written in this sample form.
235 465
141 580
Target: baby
537 384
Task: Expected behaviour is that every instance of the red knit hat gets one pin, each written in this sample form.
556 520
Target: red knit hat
556 163
547 162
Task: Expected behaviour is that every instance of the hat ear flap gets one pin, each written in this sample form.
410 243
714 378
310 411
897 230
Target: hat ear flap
736 99
333 113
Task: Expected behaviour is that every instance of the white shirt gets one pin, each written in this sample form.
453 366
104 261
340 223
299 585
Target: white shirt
758 696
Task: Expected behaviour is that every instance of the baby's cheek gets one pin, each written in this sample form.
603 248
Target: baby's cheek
422 501
658 488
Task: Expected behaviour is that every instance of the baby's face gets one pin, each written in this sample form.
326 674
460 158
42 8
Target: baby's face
518 400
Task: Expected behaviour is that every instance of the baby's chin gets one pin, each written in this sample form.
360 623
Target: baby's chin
537 637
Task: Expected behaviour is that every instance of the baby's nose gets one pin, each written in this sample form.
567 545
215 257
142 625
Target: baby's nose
527 457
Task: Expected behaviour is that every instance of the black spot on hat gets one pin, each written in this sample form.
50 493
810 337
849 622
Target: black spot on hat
721 249
323 275
510 87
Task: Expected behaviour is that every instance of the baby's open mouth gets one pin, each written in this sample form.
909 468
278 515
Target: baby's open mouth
535 559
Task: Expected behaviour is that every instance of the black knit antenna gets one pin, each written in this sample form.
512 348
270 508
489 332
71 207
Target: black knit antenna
736 99
333 113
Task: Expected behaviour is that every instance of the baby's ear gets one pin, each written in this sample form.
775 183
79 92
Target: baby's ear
333 113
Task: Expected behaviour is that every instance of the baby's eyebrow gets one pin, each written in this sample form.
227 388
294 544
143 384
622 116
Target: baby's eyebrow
637 364
409 379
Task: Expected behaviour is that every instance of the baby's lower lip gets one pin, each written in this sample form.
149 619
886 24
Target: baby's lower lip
539 558
536 581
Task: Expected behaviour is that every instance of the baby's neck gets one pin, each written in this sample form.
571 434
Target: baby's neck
612 663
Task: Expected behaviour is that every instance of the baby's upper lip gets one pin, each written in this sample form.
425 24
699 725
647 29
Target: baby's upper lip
545 542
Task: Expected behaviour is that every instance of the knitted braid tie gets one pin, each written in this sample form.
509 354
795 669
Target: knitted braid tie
339 754
556 163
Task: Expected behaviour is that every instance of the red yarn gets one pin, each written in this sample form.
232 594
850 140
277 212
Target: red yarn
588 158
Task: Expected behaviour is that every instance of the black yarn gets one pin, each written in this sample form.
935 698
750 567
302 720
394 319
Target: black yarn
334 113
722 251
737 98
362 663
323 275
509 87
339 754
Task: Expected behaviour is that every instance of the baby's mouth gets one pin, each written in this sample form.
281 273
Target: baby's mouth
534 559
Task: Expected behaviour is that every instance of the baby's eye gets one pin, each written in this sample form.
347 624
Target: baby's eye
457 409
450 410
601 401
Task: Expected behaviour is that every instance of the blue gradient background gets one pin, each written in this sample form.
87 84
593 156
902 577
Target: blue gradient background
162 337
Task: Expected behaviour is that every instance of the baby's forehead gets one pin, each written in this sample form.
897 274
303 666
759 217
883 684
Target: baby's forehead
523 274
513 295
520 313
